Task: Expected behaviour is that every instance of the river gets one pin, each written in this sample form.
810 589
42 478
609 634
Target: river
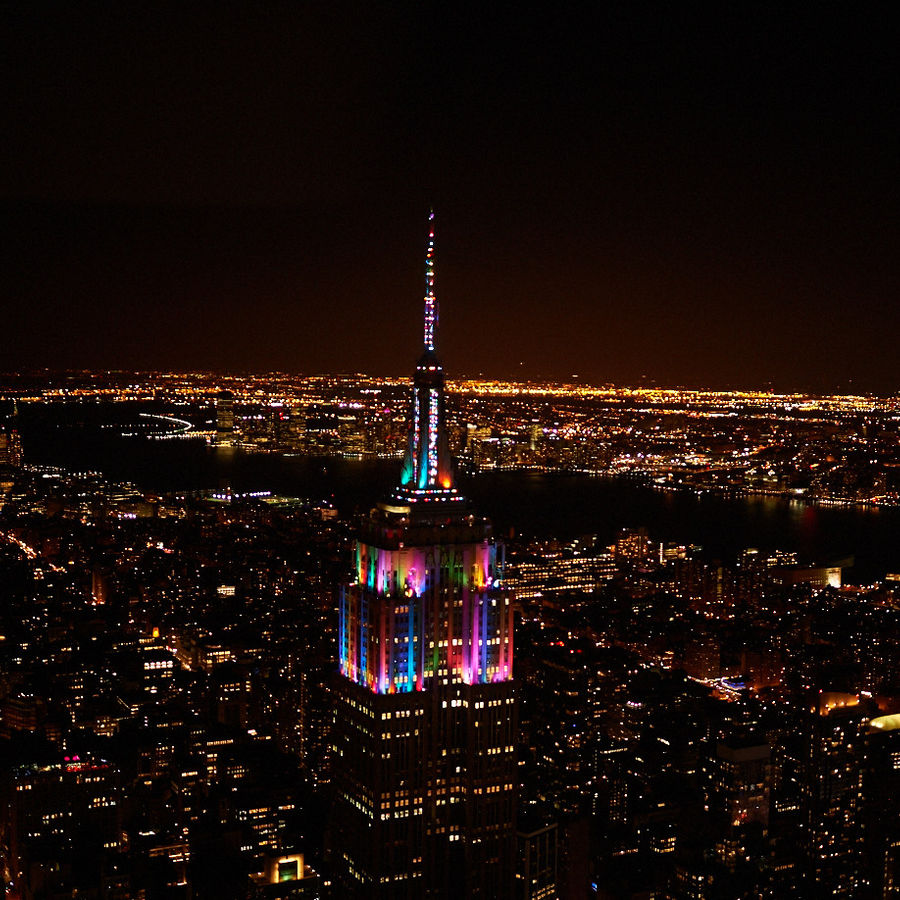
540 504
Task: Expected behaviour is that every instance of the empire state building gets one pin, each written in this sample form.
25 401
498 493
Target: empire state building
425 712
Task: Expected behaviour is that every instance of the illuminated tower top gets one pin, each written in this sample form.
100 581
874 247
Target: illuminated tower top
427 473
424 739
431 311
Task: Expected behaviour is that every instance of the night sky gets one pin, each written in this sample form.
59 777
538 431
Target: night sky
628 194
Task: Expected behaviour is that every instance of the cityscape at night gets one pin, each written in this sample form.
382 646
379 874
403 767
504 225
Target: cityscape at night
609 609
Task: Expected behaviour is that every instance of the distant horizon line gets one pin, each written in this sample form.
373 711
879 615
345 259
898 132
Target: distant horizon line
573 381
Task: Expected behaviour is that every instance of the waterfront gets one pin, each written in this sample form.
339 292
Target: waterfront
541 504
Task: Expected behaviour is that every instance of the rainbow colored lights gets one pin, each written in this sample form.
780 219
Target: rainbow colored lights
432 438
419 613
427 464
433 612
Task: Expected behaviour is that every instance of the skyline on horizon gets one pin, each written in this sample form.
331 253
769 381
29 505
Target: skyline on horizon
457 382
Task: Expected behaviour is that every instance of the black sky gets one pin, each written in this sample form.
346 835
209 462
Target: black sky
622 192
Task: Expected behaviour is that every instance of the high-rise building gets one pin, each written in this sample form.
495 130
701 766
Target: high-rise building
536 875
225 419
61 824
881 780
831 827
633 544
739 799
425 711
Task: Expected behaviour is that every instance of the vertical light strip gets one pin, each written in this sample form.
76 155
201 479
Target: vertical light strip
343 649
411 645
432 436
417 432
430 305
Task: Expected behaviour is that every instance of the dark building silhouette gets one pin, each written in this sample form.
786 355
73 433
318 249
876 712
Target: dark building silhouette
225 419
881 781
832 798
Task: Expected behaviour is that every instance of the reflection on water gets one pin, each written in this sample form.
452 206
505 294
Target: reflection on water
559 504
570 505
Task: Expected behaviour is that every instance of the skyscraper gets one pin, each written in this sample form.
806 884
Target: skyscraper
225 419
425 712
832 769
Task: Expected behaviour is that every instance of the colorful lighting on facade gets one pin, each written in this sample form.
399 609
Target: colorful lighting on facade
399 627
433 609
426 466
432 437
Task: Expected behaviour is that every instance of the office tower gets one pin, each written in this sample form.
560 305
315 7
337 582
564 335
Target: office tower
881 826
425 712
831 798
633 544
10 442
739 799
536 875
61 824
11 457
10 449
741 780
225 419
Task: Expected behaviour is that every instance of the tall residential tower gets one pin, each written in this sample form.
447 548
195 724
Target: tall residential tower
425 712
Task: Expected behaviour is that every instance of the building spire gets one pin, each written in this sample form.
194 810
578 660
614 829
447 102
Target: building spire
431 309
427 472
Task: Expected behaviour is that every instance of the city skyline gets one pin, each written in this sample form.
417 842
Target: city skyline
217 692
614 614
707 201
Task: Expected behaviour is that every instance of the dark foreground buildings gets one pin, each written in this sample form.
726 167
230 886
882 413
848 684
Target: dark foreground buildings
425 724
